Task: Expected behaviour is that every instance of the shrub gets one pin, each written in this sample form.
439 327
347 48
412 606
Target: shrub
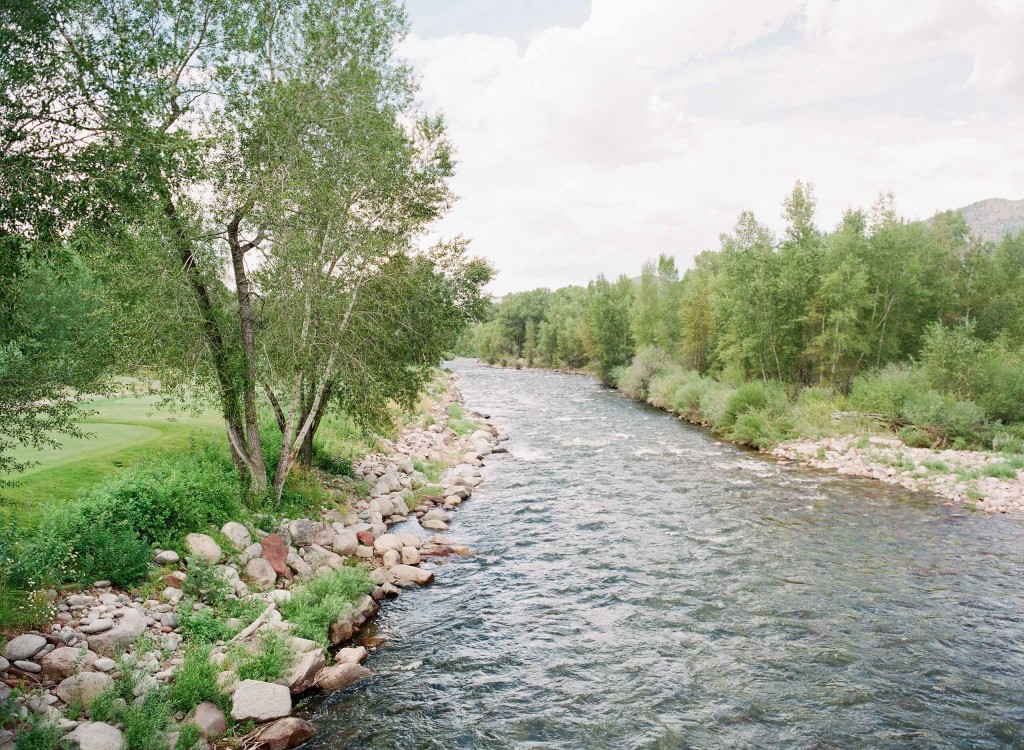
267 663
146 722
761 428
205 583
666 384
635 379
768 397
885 392
195 681
916 438
944 416
1002 470
687 398
202 627
713 403
115 554
314 606
42 734
332 464
188 737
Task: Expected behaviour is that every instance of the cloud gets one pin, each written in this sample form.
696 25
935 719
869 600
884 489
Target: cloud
648 127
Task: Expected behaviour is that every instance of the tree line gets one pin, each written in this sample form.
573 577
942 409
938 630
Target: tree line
228 197
809 307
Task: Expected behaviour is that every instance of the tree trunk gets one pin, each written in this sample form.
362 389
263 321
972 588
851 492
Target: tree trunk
247 327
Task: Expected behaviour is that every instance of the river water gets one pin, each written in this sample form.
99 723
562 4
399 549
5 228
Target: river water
637 586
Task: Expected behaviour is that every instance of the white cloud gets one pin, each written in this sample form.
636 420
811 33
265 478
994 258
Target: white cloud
650 126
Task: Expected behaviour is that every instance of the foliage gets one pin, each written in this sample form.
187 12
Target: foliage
42 734
202 627
268 662
195 681
317 604
204 583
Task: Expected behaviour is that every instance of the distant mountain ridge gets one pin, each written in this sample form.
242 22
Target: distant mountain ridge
992 218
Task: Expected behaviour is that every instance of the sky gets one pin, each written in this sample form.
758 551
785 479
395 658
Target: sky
593 135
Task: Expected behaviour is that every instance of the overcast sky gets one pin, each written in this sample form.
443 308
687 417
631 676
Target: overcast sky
593 135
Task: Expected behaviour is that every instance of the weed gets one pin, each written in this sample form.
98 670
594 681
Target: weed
1001 470
42 734
267 663
317 604
195 681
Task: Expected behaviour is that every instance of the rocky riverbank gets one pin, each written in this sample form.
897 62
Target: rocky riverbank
983 480
111 658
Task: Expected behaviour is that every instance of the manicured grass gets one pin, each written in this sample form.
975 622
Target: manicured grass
122 430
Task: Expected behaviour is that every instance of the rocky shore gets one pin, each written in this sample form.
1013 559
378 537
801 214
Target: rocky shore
986 481
102 638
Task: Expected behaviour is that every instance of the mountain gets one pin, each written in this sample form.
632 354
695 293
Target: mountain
994 217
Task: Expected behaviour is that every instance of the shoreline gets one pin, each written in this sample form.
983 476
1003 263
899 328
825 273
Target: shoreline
63 678
952 475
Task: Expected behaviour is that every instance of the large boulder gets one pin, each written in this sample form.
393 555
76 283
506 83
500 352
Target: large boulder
282 734
414 574
318 557
410 556
24 647
262 573
84 688
303 531
237 534
340 676
351 655
210 719
345 543
130 626
302 675
388 541
96 735
203 546
275 552
260 701
64 662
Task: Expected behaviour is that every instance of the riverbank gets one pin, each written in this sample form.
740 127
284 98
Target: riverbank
220 645
844 442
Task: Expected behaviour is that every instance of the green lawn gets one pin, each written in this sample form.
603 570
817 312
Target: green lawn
122 430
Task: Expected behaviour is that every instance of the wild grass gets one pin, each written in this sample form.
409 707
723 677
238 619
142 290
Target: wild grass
316 605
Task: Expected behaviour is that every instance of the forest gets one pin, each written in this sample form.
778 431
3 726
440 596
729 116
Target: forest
917 323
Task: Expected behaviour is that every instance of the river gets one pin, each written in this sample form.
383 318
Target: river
637 586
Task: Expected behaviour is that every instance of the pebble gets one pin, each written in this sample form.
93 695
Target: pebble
104 664
28 666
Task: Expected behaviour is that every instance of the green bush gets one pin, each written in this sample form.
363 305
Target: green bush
944 416
314 606
885 392
761 428
635 379
332 464
202 627
267 663
713 403
195 681
916 438
768 397
146 723
43 734
666 384
687 398
204 583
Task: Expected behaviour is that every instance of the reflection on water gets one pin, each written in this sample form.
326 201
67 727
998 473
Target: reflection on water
636 586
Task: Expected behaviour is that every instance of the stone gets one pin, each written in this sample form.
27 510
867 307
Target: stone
365 538
364 551
101 626
303 531
260 701
250 553
210 720
437 514
318 557
434 525
381 576
104 664
414 574
384 543
282 734
202 545
64 662
28 666
351 655
84 688
167 557
4 664
345 543
300 566
302 676
275 552
262 573
24 647
96 735
130 626
410 556
410 540
340 676
391 558
300 646
324 537
341 630
170 619
237 534
227 681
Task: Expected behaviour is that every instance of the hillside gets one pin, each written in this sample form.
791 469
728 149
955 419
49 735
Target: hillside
994 217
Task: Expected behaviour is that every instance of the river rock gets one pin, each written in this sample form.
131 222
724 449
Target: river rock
410 540
412 573
351 655
251 552
341 629
260 701
103 664
365 537
388 541
345 543
391 558
283 734
96 735
262 573
210 719
318 557
381 576
64 662
24 647
28 666
202 545
4 664
101 626
84 688
275 552
237 534
340 676
130 626
410 556
302 675
303 531
167 557
434 525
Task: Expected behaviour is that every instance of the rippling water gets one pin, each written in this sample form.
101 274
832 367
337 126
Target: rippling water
636 586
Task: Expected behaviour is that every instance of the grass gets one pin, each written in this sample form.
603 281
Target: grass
121 431
195 681
267 663
316 605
